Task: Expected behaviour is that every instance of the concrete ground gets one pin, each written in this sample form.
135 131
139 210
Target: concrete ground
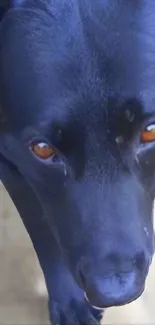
23 297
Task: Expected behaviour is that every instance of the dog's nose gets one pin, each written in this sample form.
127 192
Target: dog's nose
123 283
114 290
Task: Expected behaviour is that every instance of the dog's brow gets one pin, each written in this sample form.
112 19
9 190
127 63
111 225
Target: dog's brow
148 115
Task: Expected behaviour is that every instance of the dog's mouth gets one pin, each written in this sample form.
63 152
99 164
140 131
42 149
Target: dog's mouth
95 307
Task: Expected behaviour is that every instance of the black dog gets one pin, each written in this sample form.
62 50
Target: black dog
77 145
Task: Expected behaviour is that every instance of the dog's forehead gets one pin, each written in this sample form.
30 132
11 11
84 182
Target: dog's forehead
90 57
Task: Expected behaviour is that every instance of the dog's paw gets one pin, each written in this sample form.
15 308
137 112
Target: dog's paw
74 313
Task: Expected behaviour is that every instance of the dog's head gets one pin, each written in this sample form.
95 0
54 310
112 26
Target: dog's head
78 91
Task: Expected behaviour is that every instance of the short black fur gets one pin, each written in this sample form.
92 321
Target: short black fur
79 75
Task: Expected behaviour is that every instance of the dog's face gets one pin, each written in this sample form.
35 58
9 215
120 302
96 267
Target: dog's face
78 94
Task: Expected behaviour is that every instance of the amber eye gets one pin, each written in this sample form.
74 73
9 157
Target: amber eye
148 134
43 150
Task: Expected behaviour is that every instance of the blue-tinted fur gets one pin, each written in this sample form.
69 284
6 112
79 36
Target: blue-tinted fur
79 74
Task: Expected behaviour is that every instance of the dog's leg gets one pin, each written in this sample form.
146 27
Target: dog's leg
66 301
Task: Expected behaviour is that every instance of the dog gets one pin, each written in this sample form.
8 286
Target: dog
77 145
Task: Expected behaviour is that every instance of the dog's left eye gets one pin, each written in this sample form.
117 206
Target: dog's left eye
43 150
148 134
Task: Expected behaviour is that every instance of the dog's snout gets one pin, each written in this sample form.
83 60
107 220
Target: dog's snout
117 281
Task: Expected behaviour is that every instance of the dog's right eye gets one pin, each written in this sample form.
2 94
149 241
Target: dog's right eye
43 150
148 134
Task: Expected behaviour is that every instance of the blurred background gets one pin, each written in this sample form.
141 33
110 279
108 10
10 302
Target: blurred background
23 296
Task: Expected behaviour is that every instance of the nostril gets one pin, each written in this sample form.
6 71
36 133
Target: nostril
140 261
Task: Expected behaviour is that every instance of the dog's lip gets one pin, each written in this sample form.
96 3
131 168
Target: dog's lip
95 307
